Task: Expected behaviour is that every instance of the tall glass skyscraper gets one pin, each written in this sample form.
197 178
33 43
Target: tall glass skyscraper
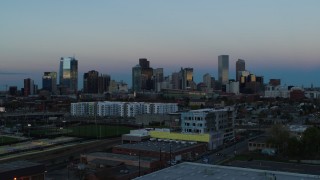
49 82
68 74
223 69
136 78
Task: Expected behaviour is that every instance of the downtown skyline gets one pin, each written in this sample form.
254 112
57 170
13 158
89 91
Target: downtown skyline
276 39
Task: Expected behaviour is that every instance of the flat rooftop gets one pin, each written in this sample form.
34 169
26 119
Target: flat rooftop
156 145
17 165
120 156
191 171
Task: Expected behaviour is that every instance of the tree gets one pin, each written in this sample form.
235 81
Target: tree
311 142
294 148
279 137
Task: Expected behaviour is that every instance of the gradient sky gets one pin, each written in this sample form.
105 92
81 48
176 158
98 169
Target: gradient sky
277 38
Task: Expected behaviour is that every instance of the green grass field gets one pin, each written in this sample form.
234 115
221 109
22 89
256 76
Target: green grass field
90 131
6 139
102 131
49 131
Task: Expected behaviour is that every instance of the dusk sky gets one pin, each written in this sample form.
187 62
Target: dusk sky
276 38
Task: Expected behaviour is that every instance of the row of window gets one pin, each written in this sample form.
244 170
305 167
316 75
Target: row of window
194 124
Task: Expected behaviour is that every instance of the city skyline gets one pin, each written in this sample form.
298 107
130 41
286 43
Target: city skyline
276 39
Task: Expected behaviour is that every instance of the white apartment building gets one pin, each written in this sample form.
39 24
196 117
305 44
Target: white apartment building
276 91
312 94
209 121
122 109
83 109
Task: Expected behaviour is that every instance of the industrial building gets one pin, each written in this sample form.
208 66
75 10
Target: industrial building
22 170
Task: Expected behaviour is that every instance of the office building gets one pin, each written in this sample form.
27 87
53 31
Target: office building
175 80
118 87
49 82
240 66
209 82
209 121
187 79
223 69
103 83
28 87
136 78
68 74
146 74
142 76
158 79
91 82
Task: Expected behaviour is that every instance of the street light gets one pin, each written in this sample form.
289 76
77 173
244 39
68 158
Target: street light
29 126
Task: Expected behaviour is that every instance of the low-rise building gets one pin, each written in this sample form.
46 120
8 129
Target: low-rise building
22 170
191 171
165 150
209 121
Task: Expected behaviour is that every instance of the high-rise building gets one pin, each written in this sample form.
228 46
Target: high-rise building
49 82
187 78
157 78
68 74
223 69
240 66
28 87
209 82
91 82
146 74
136 78
144 63
103 83
142 76
175 80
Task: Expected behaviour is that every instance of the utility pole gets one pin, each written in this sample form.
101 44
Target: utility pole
139 163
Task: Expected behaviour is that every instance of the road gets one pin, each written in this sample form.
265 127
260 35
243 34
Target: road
226 153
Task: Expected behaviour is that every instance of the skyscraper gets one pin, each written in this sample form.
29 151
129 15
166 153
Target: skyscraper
157 78
146 74
136 78
91 82
49 82
28 87
187 78
142 76
240 66
223 69
208 81
103 83
68 74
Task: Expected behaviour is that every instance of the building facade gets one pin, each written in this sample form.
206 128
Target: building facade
187 79
68 74
91 82
49 82
28 87
136 78
209 121
121 109
223 69
240 66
